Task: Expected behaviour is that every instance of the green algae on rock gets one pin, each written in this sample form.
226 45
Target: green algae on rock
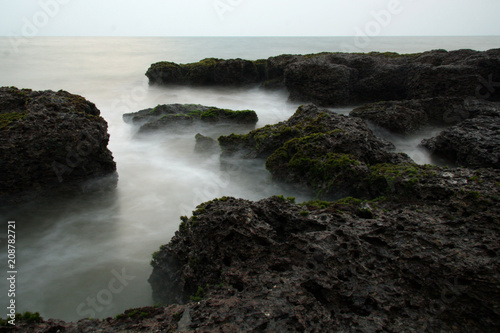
171 116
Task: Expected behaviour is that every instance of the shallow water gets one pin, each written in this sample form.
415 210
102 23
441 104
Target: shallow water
88 255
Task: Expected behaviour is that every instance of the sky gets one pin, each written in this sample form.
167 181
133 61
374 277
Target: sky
31 18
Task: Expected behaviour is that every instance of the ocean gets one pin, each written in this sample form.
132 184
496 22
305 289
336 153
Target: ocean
88 255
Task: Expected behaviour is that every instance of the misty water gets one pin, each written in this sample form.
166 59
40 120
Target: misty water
88 255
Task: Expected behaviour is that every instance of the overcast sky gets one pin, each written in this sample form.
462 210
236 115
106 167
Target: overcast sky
249 17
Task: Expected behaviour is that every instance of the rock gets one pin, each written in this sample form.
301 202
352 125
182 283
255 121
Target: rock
319 82
205 144
307 120
474 143
336 79
327 152
403 117
422 262
210 71
349 266
49 140
175 117
410 116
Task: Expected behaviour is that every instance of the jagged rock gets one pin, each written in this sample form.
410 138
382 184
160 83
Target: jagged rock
422 262
334 79
352 266
474 143
174 117
49 140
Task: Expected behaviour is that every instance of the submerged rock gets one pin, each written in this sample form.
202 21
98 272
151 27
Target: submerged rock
474 143
205 144
174 117
49 140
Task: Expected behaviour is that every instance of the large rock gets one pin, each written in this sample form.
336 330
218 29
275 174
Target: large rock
175 117
48 140
354 266
210 71
334 79
410 116
307 120
327 152
422 262
474 143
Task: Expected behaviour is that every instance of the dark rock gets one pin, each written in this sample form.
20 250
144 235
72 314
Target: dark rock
334 79
351 266
410 116
175 117
422 262
210 71
320 82
205 144
49 140
307 120
402 117
474 143
327 152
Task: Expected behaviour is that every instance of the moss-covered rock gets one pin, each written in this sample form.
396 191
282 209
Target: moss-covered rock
175 117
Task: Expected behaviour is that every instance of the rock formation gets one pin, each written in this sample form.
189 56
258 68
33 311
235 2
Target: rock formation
174 117
49 140
334 79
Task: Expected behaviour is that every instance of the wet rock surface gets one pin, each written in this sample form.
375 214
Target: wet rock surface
328 152
176 117
49 140
209 71
334 79
353 265
422 263
411 116
474 143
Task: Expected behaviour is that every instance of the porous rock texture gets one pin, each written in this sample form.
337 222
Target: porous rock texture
49 140
474 143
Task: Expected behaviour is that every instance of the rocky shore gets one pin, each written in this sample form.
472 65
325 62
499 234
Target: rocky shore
392 246
49 140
